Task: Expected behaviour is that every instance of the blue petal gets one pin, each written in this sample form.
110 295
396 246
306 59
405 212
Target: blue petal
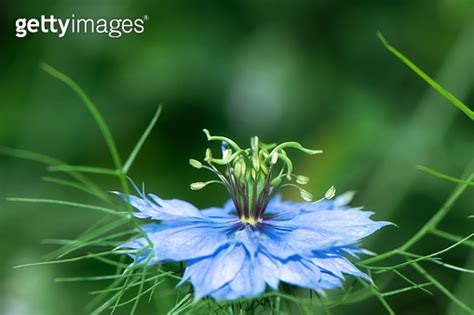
185 241
270 270
224 293
348 225
297 241
271 242
160 209
278 207
300 273
328 282
354 251
210 274
300 244
250 239
249 281
176 207
337 265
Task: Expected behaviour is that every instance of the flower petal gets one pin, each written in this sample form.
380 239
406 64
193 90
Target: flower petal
250 239
270 270
224 293
328 282
210 274
183 242
337 265
160 209
176 207
249 281
284 243
300 273
348 225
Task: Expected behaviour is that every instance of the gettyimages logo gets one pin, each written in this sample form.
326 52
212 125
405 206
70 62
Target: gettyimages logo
114 28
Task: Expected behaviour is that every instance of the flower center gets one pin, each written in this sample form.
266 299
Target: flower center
252 175
250 221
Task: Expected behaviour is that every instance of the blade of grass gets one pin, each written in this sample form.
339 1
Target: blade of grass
74 259
68 203
142 285
438 262
427 78
92 278
83 169
140 142
443 176
379 296
108 302
452 237
140 294
90 237
97 241
104 129
420 257
440 287
98 298
83 244
413 283
402 290
47 160
127 278
435 219
99 225
135 283
111 262
76 185
183 304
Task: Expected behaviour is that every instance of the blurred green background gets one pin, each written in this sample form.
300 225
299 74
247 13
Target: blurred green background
311 71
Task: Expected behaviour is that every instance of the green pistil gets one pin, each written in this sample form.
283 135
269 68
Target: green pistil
252 175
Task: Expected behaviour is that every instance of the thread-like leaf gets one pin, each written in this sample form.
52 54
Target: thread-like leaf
427 78
140 142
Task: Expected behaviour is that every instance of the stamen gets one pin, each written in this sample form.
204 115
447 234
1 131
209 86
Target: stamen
251 221
330 193
249 174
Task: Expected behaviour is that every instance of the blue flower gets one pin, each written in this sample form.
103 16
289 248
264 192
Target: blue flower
302 244
257 239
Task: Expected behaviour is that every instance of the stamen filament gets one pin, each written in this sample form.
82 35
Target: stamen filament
249 174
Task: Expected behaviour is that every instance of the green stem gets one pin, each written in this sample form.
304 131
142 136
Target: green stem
94 112
443 176
452 237
104 129
435 282
466 110
69 203
379 296
433 222
379 257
